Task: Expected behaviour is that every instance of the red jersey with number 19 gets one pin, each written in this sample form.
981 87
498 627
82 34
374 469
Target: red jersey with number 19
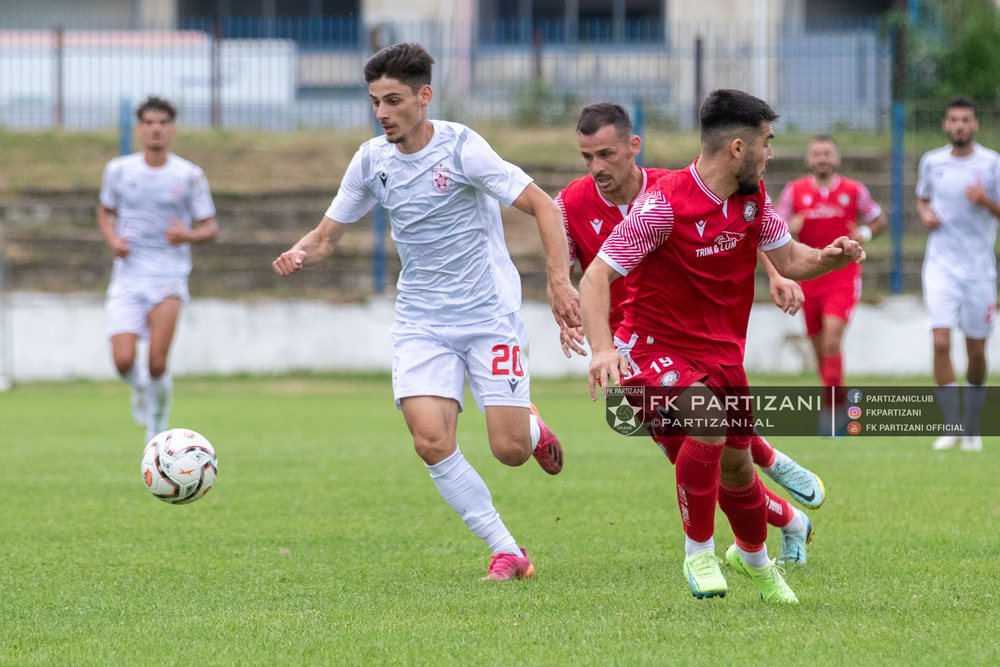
690 258
589 219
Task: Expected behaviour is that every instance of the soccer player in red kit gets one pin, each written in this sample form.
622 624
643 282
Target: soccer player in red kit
592 207
691 242
819 208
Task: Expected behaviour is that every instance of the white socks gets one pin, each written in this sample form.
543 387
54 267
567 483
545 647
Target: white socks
462 488
755 559
691 547
535 430
160 396
798 522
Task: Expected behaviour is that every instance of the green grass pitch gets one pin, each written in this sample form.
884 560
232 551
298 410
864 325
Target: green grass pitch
324 542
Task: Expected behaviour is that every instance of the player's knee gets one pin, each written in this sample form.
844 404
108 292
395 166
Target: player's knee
124 364
157 367
433 450
511 451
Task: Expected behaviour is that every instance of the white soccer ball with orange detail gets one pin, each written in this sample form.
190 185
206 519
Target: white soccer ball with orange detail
179 466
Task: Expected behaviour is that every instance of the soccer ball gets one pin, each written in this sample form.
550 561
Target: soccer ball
179 466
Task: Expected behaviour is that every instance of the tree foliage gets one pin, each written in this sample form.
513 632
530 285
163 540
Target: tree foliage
955 49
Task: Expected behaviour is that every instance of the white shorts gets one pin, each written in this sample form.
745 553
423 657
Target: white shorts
128 306
966 304
435 360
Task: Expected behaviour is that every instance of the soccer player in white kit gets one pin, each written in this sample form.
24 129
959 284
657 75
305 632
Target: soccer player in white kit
153 206
459 295
958 200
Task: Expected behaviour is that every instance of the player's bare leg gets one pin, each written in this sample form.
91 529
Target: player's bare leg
123 350
162 324
947 389
974 394
433 422
515 436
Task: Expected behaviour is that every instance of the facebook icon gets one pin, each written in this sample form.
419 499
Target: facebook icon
854 396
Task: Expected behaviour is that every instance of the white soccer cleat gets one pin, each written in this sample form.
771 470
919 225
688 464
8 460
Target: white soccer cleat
945 442
972 443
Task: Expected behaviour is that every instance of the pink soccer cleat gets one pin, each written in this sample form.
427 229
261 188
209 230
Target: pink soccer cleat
548 452
504 567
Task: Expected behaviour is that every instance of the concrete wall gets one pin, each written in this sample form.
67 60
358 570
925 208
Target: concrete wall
57 337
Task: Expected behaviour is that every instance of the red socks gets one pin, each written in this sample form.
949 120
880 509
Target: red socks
747 512
761 451
698 474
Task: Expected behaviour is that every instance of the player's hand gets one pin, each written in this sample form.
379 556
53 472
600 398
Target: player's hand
606 368
842 252
119 246
929 220
564 301
571 340
177 233
787 295
976 194
289 262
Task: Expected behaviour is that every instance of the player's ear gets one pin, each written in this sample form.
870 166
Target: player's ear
425 94
635 143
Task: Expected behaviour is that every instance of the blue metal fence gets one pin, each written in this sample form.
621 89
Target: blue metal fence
288 73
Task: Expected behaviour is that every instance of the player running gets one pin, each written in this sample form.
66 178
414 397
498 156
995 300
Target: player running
958 201
819 208
153 206
691 242
458 307
592 207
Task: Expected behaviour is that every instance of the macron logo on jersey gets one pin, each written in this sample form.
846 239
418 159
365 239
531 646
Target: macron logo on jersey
597 223
382 176
701 228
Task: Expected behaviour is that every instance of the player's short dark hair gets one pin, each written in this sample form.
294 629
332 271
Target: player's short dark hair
823 137
154 103
595 116
408 63
726 113
960 102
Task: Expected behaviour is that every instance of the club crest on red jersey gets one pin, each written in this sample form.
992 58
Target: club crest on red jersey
750 211
441 176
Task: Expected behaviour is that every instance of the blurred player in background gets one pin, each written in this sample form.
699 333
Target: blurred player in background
153 206
958 188
819 208
691 241
592 207
458 307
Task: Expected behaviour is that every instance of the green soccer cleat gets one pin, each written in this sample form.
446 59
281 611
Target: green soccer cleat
768 580
793 544
805 486
705 576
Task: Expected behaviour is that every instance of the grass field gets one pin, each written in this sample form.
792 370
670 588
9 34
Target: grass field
325 543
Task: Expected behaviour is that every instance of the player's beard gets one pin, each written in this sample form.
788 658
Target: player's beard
747 180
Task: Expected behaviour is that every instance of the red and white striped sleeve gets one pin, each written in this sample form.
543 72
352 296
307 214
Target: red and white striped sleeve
571 244
647 227
868 208
774 230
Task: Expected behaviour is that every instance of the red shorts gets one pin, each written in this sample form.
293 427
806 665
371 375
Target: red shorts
837 300
657 365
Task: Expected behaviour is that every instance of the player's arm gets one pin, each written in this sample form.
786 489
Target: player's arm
800 262
928 218
315 246
785 293
606 365
202 231
786 211
563 298
106 224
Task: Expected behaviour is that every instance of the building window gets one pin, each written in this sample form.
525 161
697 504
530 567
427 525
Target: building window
569 21
311 23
